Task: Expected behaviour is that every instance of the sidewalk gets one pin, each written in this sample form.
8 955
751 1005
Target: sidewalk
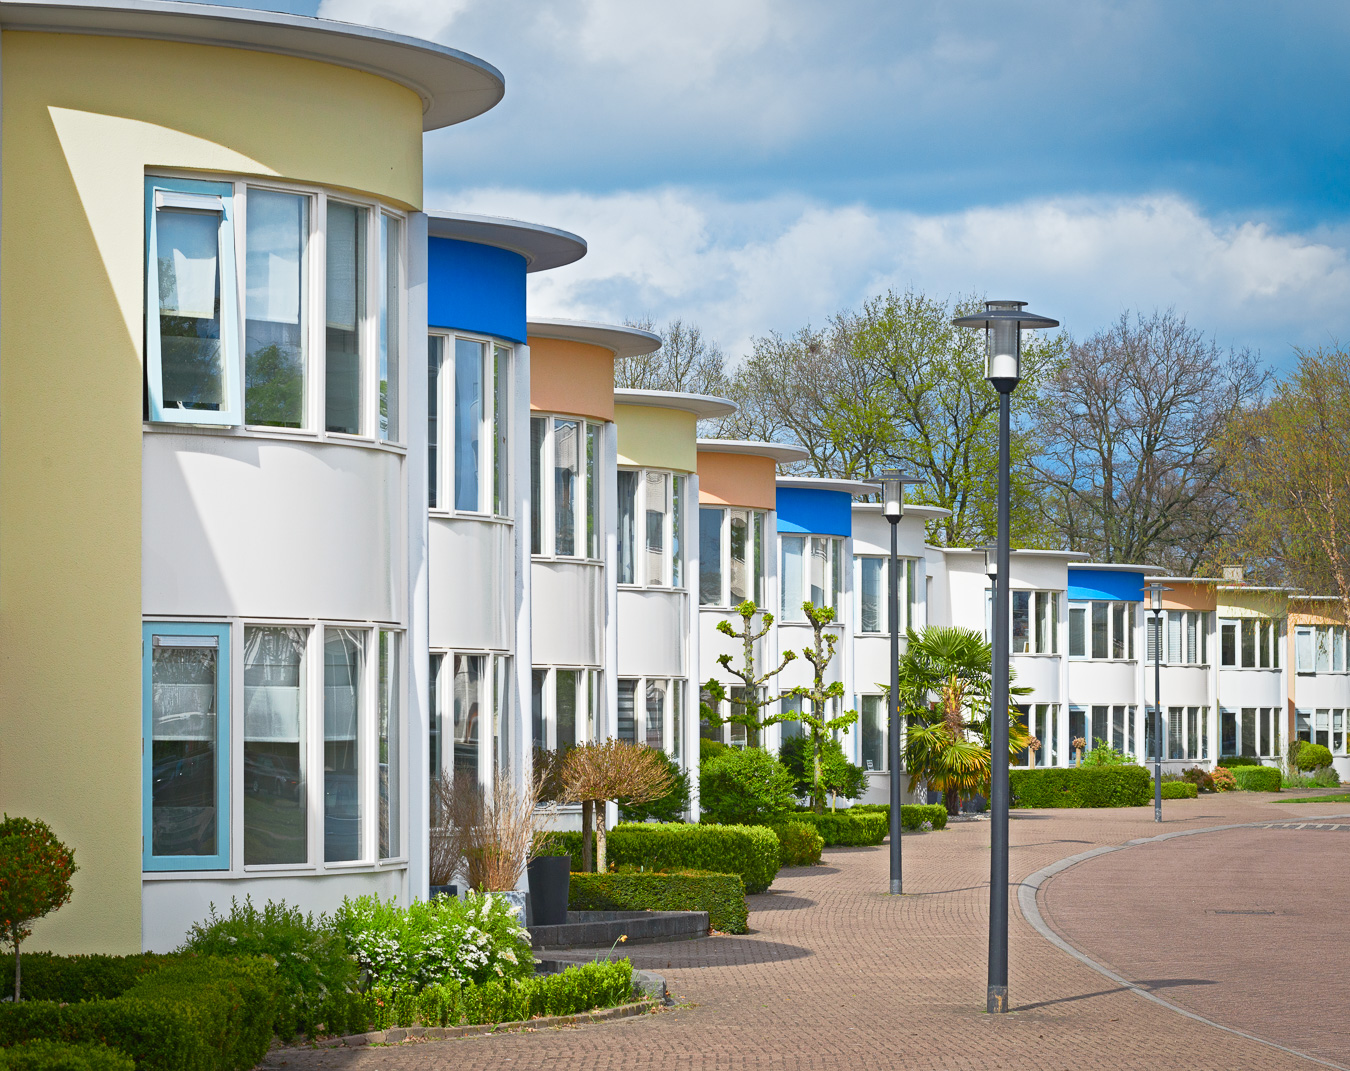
838 974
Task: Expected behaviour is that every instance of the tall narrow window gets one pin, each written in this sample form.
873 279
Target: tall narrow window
791 581
1228 738
1228 643
740 555
277 225
501 455
657 509
1047 622
1100 628
566 485
1119 633
565 706
1247 743
468 712
191 330
391 316
837 585
538 438
343 660
388 720
1021 622
1176 728
875 719
656 714
538 683
677 721
710 556
760 562
872 596
592 491
1078 631
437 706
275 815
1248 626
469 361
345 311
819 567
677 531
187 688
1175 650
435 358
627 712
627 536
1265 643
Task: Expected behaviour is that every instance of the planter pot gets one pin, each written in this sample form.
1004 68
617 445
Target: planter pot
550 878
443 890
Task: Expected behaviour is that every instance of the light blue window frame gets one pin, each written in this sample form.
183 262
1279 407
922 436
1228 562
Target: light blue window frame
221 633
231 411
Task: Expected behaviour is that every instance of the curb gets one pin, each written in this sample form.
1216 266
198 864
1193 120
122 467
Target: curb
1030 886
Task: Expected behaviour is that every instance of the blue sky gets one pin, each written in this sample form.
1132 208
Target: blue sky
757 164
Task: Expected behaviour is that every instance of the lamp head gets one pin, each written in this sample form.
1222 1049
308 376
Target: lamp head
990 561
893 492
1155 592
1003 323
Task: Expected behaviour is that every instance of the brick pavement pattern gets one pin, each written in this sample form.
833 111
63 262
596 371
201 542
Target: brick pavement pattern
837 974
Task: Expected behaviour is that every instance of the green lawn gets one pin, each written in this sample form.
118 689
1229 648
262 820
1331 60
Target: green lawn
1342 797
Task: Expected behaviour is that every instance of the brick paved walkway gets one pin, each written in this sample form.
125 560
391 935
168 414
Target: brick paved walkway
837 974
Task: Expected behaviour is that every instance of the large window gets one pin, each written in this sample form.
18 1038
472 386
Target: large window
1186 637
1041 720
872 580
468 417
339 372
566 707
1187 733
469 697
1320 648
1101 630
651 519
1249 643
731 556
1033 621
813 571
1328 726
1110 725
874 718
320 780
650 712
565 491
1250 731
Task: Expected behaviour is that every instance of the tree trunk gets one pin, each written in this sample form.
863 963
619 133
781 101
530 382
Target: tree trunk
587 810
817 796
600 863
953 802
17 972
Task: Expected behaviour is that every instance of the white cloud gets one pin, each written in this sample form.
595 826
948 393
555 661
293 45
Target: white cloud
742 269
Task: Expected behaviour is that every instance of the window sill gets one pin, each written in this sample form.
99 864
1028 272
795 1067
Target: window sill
295 869
549 558
1113 661
1041 654
290 435
486 518
653 587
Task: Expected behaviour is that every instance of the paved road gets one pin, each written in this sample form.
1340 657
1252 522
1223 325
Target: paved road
837 974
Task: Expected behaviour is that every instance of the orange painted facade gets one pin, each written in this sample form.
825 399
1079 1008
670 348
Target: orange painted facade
1190 595
736 480
572 378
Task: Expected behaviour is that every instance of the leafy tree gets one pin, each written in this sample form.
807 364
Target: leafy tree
744 785
35 873
596 773
1129 425
818 725
668 808
1290 462
748 700
839 777
947 744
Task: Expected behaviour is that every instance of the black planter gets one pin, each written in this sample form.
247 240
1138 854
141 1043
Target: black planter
550 878
443 890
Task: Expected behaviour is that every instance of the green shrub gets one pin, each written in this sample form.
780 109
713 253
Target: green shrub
750 851
744 785
197 1013
1257 778
1201 778
722 896
912 815
1312 756
477 939
1179 790
1322 777
319 977
44 1055
1103 754
1229 762
1081 786
70 979
672 807
35 873
837 774
710 749
576 989
842 829
798 843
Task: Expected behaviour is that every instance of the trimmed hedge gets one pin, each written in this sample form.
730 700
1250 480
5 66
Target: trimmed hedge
722 896
750 851
1228 762
1312 756
1081 786
1257 778
1179 790
798 843
193 1014
576 989
43 1055
912 815
844 830
70 979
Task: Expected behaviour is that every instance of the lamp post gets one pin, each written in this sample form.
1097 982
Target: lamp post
893 506
1003 323
1155 591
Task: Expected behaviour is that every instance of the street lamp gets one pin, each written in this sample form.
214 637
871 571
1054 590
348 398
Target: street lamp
1155 591
893 506
1003 323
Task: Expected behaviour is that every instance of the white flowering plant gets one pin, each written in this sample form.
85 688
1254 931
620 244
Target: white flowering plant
476 939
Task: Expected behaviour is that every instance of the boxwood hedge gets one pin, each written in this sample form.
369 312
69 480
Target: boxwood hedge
1081 786
750 851
1179 790
722 896
798 843
842 829
1257 778
44 1055
912 815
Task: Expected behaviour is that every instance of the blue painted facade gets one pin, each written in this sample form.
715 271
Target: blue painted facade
815 511
474 287
1106 584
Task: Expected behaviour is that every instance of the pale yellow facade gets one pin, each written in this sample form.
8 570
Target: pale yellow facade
657 438
85 118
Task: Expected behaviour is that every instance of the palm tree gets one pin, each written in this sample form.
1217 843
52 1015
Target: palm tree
946 683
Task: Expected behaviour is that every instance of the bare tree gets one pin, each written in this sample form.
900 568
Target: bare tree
686 361
1129 427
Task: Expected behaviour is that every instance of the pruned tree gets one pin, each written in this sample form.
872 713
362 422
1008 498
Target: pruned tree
1130 426
748 700
596 773
816 719
35 873
1289 462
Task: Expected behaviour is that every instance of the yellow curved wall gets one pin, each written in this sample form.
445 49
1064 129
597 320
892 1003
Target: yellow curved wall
84 118
742 480
574 378
657 438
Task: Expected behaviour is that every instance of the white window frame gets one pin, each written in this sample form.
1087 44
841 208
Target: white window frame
677 688
1271 716
233 268
671 535
1053 601
836 567
498 457
547 521
1332 639
908 572
494 697
1041 721
1086 606
1269 626
759 572
590 692
1179 656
